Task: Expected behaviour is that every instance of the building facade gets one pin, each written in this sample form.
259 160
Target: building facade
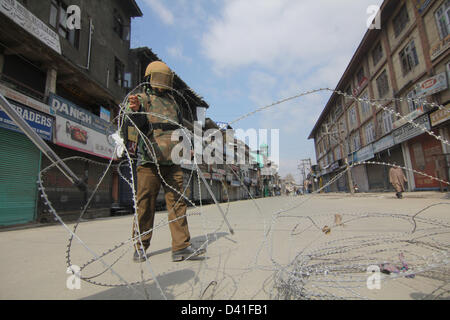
398 67
62 68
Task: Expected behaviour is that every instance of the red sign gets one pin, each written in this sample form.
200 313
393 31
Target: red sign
428 84
361 84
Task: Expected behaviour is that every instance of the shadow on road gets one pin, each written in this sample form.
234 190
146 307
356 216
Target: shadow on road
424 296
197 242
166 281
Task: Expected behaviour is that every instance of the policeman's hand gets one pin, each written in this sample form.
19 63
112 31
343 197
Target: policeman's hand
134 103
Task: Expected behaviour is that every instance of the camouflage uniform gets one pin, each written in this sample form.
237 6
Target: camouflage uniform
148 179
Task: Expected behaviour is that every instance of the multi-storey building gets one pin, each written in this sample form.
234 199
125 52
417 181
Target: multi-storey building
62 67
405 55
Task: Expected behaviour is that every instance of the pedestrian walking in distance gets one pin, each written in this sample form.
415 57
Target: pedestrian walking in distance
397 179
154 163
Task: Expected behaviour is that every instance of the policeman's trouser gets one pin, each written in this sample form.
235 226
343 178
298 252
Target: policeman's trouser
148 185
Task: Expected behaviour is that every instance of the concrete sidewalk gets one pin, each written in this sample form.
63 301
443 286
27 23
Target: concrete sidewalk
243 266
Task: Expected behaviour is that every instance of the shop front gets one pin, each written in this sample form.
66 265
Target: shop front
20 160
386 152
440 120
422 151
85 138
425 152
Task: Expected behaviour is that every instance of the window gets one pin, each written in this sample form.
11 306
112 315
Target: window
53 14
360 76
377 54
400 21
382 84
119 72
387 122
349 93
58 20
342 127
352 116
409 58
355 142
338 109
366 109
413 105
330 158
127 80
369 131
117 23
337 153
119 26
443 19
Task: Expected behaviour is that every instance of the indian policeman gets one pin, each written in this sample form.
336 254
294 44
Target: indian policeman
155 163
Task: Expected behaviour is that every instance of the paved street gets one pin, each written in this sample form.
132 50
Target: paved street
246 265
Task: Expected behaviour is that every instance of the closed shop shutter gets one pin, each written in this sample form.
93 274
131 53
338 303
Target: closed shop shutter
424 151
65 197
19 169
377 176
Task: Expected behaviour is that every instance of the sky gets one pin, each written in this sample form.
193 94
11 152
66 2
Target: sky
241 55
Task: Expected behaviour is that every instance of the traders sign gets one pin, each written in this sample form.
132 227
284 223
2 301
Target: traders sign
40 122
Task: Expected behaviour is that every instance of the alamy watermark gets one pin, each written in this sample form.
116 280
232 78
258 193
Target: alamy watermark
374 279
374 19
73 17
213 146
73 281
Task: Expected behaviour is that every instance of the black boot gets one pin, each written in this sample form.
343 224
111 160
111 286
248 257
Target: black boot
139 255
188 253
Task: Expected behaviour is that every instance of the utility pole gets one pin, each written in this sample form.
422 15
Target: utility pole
341 144
305 163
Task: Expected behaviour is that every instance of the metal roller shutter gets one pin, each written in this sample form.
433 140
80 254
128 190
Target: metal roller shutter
19 169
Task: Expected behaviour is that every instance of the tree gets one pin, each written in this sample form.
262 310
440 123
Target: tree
289 178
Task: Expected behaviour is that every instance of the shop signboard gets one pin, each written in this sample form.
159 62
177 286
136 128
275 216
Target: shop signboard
219 171
207 175
80 130
409 131
409 117
40 122
421 5
105 114
25 100
440 116
365 153
439 47
29 22
334 166
433 85
235 183
383 144
217 177
356 91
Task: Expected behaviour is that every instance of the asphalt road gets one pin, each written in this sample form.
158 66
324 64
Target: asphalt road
276 240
